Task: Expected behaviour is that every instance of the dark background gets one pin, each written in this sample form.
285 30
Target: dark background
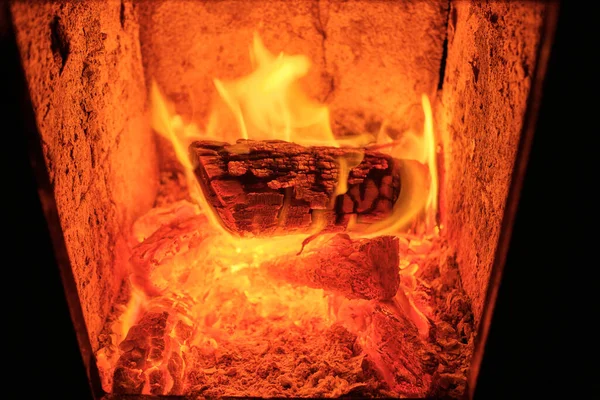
542 343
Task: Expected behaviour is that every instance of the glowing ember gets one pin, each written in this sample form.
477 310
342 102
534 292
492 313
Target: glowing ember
206 315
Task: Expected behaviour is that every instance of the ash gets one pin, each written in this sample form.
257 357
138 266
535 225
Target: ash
270 357
293 363
439 284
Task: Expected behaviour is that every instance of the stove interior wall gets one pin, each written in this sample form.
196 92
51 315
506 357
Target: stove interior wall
491 56
83 66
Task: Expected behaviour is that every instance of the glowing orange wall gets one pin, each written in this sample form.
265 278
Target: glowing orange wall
491 56
83 65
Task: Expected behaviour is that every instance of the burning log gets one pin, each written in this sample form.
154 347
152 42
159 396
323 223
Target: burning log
360 268
151 355
273 187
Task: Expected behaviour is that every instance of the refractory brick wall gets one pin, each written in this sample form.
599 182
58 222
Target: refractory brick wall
83 65
491 56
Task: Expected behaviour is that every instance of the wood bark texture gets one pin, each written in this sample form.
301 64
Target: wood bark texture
266 188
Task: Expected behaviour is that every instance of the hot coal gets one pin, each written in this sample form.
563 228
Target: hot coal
355 268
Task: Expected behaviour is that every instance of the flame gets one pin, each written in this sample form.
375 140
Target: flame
345 164
132 312
429 157
269 103
229 294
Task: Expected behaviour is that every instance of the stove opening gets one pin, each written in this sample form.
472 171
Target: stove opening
281 198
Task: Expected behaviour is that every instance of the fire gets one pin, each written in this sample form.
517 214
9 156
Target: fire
185 253
417 156
269 104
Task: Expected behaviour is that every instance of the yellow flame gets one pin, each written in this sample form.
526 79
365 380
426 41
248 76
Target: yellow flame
416 158
269 104
136 303
430 157
170 126
345 165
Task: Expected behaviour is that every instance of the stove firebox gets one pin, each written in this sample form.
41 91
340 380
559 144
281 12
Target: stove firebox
281 198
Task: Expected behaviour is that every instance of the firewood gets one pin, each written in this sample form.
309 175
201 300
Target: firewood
355 268
275 187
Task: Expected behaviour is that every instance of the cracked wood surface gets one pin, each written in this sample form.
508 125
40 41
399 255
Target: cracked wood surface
265 188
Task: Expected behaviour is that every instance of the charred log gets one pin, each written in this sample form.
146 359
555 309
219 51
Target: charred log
360 268
275 187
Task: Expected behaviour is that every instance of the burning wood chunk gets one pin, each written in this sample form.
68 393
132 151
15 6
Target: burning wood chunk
153 258
176 369
157 217
150 358
157 381
128 380
139 350
405 360
274 187
359 268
